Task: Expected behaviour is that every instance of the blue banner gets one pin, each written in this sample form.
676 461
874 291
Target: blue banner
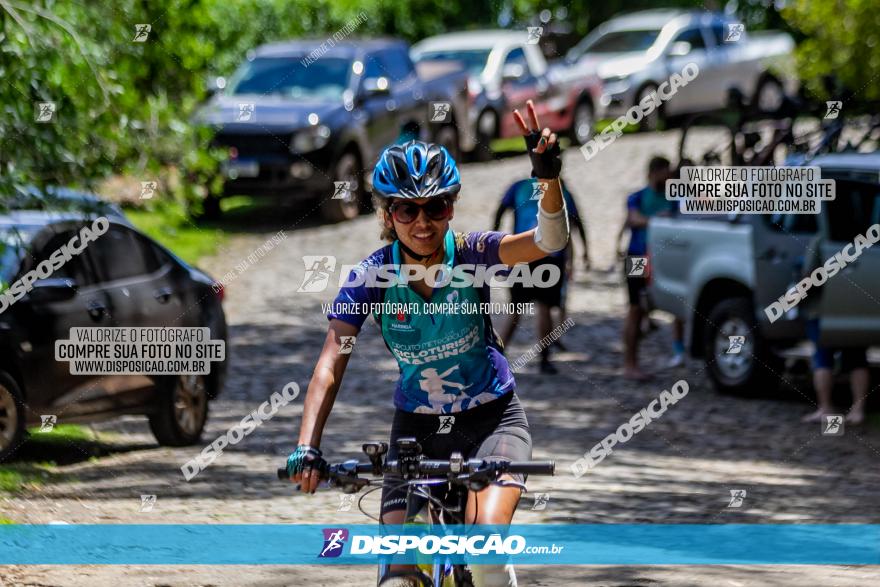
538 544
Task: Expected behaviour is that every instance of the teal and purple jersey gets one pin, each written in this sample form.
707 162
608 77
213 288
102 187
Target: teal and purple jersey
449 362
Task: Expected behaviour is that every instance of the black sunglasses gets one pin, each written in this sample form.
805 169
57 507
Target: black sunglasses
435 209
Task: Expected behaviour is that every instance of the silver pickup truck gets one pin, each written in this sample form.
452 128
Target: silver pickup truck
718 273
633 54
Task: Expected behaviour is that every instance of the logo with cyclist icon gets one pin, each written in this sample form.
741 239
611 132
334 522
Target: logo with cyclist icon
334 541
318 271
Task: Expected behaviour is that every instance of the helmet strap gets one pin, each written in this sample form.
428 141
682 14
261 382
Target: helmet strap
414 254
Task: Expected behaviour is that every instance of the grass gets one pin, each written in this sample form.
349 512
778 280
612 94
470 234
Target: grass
17 476
14 478
508 145
6 522
63 433
606 122
169 224
517 145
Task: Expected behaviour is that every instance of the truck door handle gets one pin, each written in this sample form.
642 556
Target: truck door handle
96 309
162 295
772 254
676 244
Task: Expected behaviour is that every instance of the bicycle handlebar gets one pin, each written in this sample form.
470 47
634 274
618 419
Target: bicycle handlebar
350 469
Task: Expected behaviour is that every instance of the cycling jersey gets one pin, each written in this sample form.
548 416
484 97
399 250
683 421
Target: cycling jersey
448 362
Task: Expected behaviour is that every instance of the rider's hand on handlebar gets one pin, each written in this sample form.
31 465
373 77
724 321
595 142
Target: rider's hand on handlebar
306 466
542 145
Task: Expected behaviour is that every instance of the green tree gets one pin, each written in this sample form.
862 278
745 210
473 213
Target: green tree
842 37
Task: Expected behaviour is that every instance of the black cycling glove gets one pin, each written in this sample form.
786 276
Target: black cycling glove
548 164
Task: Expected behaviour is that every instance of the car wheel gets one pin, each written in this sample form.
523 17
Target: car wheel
11 416
750 368
650 122
182 411
769 96
348 206
487 129
211 208
582 123
447 137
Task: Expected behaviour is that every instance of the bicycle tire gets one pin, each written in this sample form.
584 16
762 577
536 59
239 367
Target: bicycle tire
462 576
697 143
405 579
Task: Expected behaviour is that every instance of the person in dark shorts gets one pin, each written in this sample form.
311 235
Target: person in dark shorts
455 390
853 360
496 428
522 197
641 206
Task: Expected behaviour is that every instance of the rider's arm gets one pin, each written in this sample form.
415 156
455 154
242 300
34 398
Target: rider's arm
325 382
522 247
551 235
321 394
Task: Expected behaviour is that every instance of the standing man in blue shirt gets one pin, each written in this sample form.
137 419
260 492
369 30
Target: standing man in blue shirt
640 207
522 197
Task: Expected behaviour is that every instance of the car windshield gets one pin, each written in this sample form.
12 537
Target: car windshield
13 242
623 42
325 78
474 60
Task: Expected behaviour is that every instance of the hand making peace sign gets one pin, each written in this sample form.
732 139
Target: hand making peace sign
543 146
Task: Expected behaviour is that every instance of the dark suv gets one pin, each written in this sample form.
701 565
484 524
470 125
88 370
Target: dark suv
299 116
120 279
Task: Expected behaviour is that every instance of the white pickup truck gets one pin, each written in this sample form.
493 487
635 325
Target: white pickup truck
635 53
718 273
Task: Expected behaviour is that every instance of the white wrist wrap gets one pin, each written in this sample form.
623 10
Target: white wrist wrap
552 232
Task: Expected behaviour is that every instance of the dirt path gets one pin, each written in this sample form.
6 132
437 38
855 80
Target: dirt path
678 470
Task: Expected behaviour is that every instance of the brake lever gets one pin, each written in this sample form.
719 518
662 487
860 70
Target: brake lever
481 478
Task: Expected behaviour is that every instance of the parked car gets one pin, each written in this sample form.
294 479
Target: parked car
506 71
122 278
718 273
633 54
298 116
59 199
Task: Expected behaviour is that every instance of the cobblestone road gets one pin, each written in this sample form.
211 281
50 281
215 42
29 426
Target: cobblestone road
680 469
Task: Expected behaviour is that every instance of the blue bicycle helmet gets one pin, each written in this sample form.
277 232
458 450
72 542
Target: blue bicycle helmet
416 170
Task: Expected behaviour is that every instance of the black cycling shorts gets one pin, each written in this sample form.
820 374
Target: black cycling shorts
636 286
549 296
496 429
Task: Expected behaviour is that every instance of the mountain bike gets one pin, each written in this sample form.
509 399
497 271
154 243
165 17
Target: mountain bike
452 478
745 136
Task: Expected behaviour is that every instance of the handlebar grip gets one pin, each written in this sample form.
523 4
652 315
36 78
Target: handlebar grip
532 467
282 474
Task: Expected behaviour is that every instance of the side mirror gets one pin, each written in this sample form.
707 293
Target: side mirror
214 85
679 49
53 289
512 71
375 86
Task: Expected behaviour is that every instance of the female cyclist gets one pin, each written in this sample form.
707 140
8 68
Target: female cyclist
450 364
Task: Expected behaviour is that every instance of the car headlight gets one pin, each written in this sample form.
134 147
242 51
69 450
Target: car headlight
310 139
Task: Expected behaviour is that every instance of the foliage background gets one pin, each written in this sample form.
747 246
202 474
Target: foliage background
123 108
